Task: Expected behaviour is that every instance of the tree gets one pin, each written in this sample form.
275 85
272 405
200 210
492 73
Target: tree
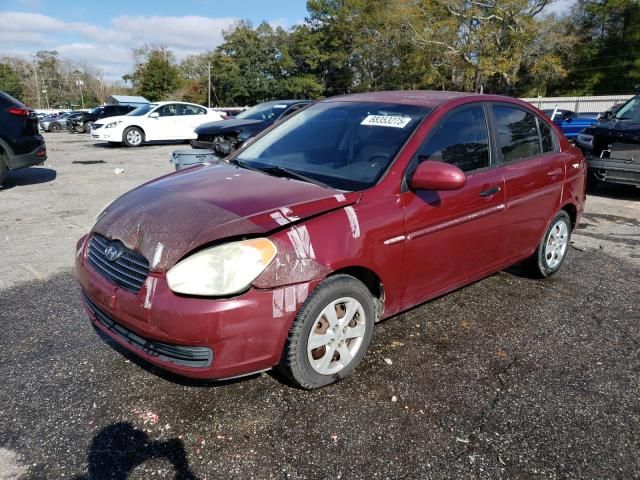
485 44
607 54
10 82
156 76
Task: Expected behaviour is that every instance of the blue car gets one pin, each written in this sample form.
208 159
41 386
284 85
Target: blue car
570 122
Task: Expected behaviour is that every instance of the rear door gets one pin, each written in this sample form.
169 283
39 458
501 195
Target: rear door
452 236
534 171
189 118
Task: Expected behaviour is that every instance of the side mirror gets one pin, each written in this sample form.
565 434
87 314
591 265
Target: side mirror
432 175
154 115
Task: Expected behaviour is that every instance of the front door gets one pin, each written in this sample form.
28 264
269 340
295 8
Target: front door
452 236
163 127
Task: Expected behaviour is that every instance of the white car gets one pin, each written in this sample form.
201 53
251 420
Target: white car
154 121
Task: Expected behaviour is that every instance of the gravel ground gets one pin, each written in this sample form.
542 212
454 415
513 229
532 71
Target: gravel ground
507 378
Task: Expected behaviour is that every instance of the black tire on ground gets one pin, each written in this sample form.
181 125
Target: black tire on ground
4 169
295 364
537 265
87 127
127 138
592 180
54 127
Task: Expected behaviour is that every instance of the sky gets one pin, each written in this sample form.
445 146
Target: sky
102 34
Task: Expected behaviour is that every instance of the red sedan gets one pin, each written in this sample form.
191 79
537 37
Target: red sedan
348 212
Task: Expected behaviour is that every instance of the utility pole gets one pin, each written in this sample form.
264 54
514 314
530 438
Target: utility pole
209 85
79 83
35 72
46 96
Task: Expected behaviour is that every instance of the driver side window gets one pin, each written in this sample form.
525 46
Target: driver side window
461 139
167 110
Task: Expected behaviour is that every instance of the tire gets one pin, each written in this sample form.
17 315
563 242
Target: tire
592 180
4 169
323 365
133 137
552 249
87 127
54 127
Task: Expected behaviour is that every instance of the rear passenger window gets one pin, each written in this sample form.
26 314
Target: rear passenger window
461 140
546 137
517 133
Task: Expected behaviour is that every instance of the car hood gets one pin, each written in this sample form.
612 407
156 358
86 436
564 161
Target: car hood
119 118
171 216
620 130
224 126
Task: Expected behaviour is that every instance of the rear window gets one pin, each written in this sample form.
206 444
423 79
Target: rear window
7 100
546 137
517 133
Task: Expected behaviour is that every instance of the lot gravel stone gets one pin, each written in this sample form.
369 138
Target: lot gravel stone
507 378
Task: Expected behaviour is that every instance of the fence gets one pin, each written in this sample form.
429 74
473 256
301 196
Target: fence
578 104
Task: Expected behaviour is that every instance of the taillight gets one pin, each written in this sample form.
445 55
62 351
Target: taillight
19 112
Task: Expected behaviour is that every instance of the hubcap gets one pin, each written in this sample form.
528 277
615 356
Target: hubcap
134 137
557 243
336 336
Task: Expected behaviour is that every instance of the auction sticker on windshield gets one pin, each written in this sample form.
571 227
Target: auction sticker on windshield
386 121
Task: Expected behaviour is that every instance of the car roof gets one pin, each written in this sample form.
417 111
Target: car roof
426 98
181 103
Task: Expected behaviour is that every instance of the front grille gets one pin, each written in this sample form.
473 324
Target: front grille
129 270
196 357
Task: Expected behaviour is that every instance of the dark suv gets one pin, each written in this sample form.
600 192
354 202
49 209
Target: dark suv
612 146
82 124
21 144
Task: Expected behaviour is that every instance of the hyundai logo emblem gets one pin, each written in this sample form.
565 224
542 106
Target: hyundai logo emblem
113 252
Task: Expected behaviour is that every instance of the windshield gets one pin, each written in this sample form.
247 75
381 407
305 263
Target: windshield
263 111
96 111
630 110
142 110
345 145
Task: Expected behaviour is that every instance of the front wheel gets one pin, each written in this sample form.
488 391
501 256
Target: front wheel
87 127
54 127
552 249
132 137
330 334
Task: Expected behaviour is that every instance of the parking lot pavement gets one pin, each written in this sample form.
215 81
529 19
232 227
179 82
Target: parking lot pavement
507 378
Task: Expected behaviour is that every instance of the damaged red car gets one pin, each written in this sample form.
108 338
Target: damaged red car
350 211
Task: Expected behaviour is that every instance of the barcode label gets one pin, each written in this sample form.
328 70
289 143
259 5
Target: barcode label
386 121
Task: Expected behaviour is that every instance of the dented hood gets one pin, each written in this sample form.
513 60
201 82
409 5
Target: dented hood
169 217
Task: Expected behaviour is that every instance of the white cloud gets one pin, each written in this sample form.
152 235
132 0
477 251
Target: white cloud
109 47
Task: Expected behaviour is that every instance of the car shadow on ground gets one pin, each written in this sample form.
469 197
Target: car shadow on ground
119 448
28 176
615 191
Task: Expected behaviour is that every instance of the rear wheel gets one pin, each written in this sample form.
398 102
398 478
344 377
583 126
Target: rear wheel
87 127
552 249
54 127
133 137
331 333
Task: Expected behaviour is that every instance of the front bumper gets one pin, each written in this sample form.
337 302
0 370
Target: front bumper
103 134
36 157
244 334
615 170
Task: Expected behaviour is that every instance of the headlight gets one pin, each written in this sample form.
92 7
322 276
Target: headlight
222 270
585 140
112 124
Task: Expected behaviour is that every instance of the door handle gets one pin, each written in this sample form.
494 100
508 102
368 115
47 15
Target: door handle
491 191
555 173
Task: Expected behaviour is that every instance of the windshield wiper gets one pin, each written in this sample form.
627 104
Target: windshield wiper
285 172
